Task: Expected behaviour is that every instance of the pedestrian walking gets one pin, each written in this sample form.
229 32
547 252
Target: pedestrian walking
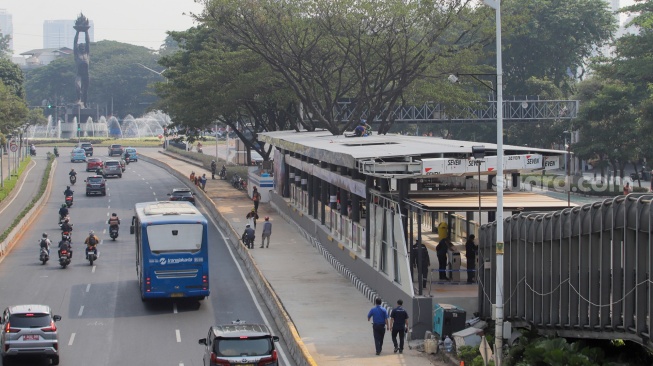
256 197
251 217
192 177
441 250
214 166
203 181
379 317
423 265
267 231
413 258
470 254
399 325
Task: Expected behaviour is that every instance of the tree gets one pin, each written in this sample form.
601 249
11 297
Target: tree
13 111
12 77
367 52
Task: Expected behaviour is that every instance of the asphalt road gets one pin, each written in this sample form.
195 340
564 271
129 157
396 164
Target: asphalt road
104 321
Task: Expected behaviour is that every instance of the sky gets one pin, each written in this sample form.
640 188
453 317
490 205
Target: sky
138 22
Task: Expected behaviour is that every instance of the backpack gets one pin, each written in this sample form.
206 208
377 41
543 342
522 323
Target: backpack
44 243
92 240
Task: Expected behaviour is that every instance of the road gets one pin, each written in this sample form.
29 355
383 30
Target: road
104 321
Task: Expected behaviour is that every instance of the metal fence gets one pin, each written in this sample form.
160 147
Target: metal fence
580 272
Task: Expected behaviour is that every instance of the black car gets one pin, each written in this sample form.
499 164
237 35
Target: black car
182 194
88 148
96 184
115 149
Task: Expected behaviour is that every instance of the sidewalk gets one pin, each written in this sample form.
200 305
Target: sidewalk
329 313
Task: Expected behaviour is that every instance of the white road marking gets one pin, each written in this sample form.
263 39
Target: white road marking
88 287
151 187
181 364
81 310
109 201
93 270
143 178
178 335
109 207
72 339
107 214
104 231
19 189
174 308
101 241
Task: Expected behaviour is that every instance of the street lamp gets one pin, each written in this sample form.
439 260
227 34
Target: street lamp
498 327
567 166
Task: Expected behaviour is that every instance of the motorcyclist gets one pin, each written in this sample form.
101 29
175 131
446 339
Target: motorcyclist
73 172
45 243
248 236
68 192
360 129
214 166
91 242
114 221
66 226
63 211
127 156
56 151
32 149
66 244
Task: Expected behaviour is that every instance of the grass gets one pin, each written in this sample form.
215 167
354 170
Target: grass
10 182
42 187
206 162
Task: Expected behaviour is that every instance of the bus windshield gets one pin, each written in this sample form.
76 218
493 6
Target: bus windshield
168 238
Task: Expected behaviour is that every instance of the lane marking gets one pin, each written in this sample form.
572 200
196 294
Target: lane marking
93 270
109 200
81 310
107 214
282 354
178 335
109 207
151 187
72 339
19 188
88 287
174 308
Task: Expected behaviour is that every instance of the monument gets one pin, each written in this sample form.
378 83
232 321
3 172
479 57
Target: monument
82 59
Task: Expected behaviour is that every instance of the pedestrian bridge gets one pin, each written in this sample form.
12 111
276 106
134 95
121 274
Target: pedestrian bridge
582 272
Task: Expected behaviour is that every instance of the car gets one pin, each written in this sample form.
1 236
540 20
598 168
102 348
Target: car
123 165
92 164
182 194
133 156
96 184
88 147
78 154
115 149
112 167
29 330
239 344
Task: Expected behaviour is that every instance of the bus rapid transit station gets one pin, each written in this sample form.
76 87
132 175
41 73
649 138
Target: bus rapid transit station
364 201
171 250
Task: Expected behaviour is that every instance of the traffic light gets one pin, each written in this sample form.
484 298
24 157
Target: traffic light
50 106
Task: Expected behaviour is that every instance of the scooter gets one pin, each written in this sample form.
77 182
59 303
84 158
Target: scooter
91 254
66 236
32 152
69 201
44 256
62 219
64 258
56 152
113 232
73 179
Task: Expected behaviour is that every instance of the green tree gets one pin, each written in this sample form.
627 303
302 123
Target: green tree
12 76
13 111
367 51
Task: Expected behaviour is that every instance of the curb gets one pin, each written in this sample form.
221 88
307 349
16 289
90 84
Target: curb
297 348
17 233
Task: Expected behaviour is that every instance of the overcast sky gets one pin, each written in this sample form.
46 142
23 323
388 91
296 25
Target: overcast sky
138 22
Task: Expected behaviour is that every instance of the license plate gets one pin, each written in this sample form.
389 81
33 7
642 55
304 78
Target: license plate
31 337
177 294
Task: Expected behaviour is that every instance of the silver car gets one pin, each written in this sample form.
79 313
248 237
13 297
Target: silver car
29 330
112 167
240 344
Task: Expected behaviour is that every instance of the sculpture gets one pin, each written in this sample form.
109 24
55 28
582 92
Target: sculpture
82 59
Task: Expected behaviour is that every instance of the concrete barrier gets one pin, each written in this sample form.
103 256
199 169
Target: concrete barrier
297 348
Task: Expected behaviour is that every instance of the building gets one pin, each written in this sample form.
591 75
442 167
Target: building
40 57
60 33
6 26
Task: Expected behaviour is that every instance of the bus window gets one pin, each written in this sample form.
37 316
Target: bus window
175 238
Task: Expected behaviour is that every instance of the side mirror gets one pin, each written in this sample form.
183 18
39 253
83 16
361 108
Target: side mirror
131 229
202 341
275 338
84 180
56 318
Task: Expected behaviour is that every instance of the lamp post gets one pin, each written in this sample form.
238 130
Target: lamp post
478 153
498 327
567 166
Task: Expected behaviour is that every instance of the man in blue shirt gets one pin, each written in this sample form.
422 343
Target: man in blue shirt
379 317
399 324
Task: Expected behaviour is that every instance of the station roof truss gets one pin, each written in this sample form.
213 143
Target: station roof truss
512 201
401 156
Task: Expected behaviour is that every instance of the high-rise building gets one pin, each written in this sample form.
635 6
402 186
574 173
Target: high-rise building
7 27
60 33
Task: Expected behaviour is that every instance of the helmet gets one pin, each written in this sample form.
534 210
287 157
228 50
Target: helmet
245 226
267 218
213 161
114 214
63 205
45 235
67 187
72 169
91 232
362 122
66 221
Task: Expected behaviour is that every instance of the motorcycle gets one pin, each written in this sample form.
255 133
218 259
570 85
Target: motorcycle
113 232
91 254
44 256
69 201
56 152
66 236
64 258
32 151
235 180
62 219
73 179
126 161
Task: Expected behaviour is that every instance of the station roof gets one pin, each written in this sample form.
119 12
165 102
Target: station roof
511 202
346 151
